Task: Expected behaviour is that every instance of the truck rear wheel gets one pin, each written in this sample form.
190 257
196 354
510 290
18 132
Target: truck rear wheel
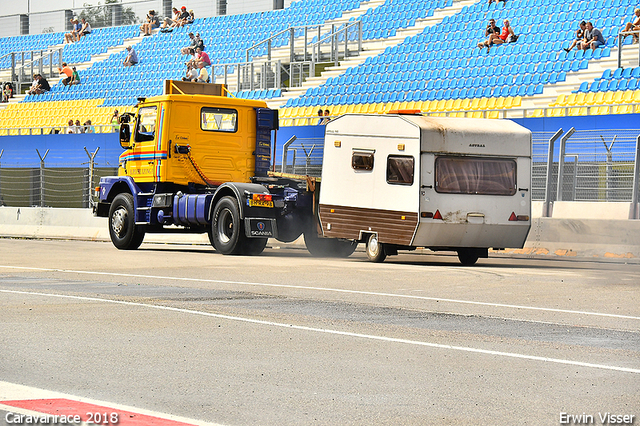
226 227
254 246
122 224
375 249
468 257
328 247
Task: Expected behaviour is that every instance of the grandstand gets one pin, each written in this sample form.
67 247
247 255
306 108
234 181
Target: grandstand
415 55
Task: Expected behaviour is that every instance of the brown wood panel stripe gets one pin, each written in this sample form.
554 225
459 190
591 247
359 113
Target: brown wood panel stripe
347 222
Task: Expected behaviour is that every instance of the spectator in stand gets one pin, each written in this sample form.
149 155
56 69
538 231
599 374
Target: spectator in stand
115 121
7 92
202 57
579 36
79 127
191 17
192 45
65 70
71 128
131 59
634 25
506 36
593 38
74 34
85 28
320 116
184 16
88 127
326 118
75 77
169 24
492 33
203 75
192 73
151 24
41 85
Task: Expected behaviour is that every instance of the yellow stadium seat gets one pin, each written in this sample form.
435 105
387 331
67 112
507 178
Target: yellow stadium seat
517 101
448 105
403 105
358 108
350 108
636 96
411 105
580 98
599 99
560 100
571 99
483 103
617 97
441 104
589 99
628 97
466 104
474 103
380 108
457 103
622 109
574 111
395 105
608 97
491 103
493 114
476 114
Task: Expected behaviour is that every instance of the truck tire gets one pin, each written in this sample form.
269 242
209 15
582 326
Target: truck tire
468 257
122 224
254 246
375 249
328 247
227 230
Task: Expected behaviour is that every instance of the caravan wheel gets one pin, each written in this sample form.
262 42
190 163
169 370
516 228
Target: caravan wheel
468 257
375 250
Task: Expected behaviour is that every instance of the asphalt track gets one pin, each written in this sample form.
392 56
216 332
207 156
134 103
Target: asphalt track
183 335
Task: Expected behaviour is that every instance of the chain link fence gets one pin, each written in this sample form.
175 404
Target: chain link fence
590 166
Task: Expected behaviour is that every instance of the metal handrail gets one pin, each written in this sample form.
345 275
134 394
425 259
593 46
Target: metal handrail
621 40
333 37
268 40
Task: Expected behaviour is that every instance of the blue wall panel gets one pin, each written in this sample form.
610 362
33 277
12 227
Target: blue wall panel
64 150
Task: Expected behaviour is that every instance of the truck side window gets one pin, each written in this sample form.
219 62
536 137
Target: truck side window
219 119
400 170
146 130
362 160
479 176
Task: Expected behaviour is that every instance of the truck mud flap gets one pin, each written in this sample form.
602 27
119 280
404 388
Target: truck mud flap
260 227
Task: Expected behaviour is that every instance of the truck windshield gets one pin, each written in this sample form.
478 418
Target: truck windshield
146 124
481 176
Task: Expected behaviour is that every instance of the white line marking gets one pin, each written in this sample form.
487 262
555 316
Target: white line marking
332 290
337 332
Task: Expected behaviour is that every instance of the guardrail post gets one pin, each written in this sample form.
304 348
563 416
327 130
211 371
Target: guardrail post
42 175
292 36
563 146
634 211
285 149
92 164
609 167
547 207
575 177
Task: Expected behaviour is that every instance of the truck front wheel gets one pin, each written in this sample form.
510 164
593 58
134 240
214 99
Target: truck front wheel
122 224
226 227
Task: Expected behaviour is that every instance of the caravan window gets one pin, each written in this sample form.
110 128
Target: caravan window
481 176
219 119
400 170
362 160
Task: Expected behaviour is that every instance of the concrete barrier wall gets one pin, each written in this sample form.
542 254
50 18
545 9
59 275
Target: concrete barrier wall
598 230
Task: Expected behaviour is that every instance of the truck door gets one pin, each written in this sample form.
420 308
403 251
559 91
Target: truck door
142 160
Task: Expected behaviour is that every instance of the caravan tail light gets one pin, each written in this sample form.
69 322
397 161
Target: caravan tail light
521 217
437 215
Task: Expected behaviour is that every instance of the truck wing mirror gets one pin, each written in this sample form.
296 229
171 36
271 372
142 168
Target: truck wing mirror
125 136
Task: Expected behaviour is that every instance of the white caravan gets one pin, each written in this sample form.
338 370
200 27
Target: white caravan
406 181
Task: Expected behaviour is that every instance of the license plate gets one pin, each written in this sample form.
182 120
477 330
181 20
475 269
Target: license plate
260 203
